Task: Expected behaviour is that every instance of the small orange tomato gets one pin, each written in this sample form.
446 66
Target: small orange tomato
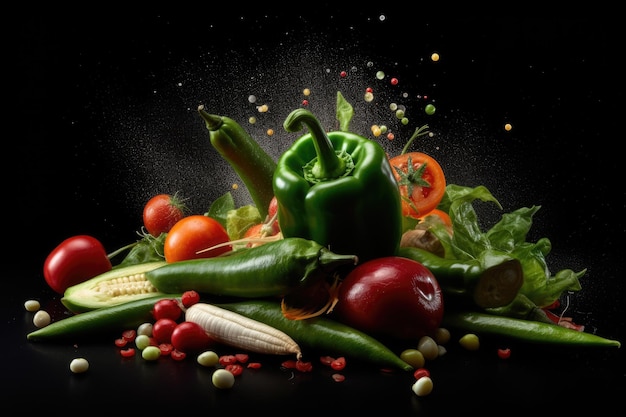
442 215
193 234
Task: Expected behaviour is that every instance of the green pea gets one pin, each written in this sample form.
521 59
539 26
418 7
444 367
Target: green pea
208 358
222 378
142 341
413 357
430 109
151 353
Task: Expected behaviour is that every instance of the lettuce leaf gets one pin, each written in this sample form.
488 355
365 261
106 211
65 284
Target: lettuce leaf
506 239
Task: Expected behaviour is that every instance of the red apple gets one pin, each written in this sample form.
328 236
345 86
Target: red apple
391 296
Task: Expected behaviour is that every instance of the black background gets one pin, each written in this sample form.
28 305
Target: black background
102 115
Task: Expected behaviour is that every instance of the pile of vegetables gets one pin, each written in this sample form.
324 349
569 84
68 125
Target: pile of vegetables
303 267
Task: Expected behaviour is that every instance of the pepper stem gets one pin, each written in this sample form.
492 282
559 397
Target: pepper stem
212 121
329 164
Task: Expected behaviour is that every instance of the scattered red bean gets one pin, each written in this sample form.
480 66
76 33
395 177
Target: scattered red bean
177 355
420 372
234 368
289 364
128 352
338 364
303 366
121 342
227 360
504 353
242 357
339 377
326 360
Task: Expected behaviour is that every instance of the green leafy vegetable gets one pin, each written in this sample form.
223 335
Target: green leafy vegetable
506 238
220 207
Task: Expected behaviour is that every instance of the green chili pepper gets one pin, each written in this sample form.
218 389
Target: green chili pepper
272 269
339 190
524 330
251 163
321 333
495 286
106 319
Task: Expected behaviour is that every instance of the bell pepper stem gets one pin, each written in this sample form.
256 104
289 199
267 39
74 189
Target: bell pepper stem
328 164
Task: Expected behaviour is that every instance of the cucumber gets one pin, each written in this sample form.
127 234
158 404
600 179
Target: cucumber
117 286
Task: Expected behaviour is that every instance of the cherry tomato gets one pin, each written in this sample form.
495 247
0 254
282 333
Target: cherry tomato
161 213
166 308
422 184
162 330
391 296
190 298
190 337
261 230
75 260
193 234
442 215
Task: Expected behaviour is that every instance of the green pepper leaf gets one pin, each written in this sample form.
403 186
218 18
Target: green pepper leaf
345 112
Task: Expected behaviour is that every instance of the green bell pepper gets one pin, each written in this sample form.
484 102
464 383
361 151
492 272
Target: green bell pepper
338 189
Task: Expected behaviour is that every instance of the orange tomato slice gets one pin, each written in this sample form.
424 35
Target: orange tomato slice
421 181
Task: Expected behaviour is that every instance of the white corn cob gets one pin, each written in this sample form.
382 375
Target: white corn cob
236 330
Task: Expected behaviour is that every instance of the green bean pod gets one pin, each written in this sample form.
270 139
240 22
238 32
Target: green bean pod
321 333
272 269
524 330
491 287
119 317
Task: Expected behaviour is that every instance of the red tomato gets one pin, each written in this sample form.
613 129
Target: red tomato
162 330
422 184
190 298
161 213
190 337
391 296
75 260
167 308
193 234
261 230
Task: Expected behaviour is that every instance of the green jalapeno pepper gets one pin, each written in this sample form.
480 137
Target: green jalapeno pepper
338 189
272 269
524 330
252 164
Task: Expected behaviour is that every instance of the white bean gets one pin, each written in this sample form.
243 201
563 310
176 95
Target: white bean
79 365
32 305
41 319
428 347
145 328
423 386
222 378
